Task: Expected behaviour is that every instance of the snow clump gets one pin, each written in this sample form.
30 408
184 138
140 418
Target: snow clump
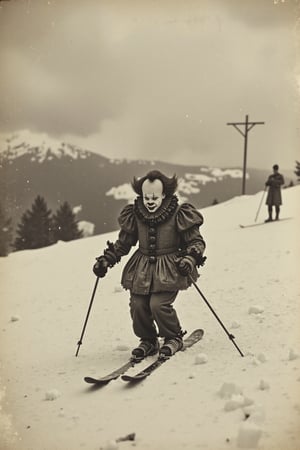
293 354
263 385
201 358
234 397
237 401
261 358
52 394
255 309
14 318
229 389
254 414
110 445
118 289
248 435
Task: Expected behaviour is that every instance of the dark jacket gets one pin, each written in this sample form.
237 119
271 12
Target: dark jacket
275 181
162 235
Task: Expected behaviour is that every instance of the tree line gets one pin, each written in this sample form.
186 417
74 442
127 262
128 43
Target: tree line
38 227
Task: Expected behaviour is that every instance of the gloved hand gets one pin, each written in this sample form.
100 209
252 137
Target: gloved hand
100 267
185 265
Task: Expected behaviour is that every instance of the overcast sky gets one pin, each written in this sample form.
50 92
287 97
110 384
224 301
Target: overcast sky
155 79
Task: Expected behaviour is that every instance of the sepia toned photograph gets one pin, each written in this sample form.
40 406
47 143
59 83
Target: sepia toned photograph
149 224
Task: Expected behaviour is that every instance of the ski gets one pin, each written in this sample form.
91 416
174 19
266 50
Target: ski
113 375
194 337
263 223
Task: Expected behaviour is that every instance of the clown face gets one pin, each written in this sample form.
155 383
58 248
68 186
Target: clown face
152 194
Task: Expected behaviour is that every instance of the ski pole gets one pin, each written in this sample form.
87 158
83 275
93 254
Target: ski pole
260 204
231 337
87 316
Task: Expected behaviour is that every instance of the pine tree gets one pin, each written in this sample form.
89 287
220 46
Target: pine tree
35 228
5 232
65 226
297 171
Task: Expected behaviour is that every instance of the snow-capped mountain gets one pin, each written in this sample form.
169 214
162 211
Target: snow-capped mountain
98 187
39 147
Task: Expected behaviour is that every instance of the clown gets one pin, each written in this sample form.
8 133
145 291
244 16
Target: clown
170 247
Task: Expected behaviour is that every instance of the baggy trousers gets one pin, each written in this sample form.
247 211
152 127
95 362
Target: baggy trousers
154 308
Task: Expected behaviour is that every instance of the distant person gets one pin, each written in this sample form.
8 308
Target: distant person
170 247
274 183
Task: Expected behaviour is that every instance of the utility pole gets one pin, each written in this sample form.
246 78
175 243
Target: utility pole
248 125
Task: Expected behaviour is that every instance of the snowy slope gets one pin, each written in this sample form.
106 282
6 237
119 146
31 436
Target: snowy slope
206 398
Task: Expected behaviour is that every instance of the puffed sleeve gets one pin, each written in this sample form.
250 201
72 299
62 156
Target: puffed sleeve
127 236
127 220
187 217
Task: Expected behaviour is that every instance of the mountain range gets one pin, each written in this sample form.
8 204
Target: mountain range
98 187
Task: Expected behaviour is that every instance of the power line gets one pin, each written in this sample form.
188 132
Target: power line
247 127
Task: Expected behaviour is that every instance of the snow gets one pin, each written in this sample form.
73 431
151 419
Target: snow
77 209
255 309
52 394
248 436
228 402
189 184
39 145
201 358
122 192
214 174
86 227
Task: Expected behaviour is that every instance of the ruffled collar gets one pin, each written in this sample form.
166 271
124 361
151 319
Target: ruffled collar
164 212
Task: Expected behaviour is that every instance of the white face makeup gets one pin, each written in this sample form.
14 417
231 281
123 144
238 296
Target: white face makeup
152 195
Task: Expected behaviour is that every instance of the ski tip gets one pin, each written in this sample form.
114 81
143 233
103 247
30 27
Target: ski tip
133 379
126 378
89 380
199 332
95 382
